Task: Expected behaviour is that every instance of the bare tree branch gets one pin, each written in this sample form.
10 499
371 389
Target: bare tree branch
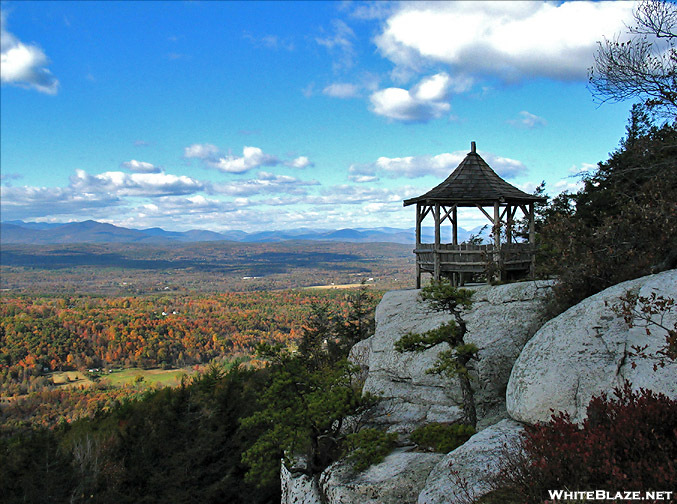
643 67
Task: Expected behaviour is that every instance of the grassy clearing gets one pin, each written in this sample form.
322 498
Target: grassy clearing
148 377
71 379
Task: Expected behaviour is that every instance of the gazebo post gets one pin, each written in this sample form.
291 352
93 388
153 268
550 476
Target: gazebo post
508 224
454 223
532 238
497 225
497 238
437 242
418 245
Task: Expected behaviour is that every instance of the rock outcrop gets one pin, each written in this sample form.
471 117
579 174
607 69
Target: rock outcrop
584 352
396 480
580 353
298 489
500 322
464 474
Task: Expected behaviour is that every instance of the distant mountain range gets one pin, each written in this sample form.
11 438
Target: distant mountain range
40 233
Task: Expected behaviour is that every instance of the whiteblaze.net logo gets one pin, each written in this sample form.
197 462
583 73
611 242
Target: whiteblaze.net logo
605 495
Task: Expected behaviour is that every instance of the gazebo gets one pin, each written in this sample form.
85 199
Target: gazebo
474 184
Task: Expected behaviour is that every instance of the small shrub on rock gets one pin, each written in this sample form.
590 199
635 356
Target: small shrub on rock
441 437
627 443
368 447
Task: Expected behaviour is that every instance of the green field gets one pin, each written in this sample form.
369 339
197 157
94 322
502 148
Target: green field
146 377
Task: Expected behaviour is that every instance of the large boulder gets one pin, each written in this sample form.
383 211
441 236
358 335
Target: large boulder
500 322
396 480
584 352
464 474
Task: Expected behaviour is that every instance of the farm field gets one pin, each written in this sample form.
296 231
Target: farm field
122 377
147 377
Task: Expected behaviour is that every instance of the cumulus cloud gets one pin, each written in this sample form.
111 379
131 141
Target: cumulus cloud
527 120
362 179
201 151
252 158
24 65
140 167
300 162
342 90
510 40
135 184
439 166
25 202
425 101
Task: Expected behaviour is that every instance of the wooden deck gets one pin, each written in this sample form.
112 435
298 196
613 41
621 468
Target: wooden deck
467 258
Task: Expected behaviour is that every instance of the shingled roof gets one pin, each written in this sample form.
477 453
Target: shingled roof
472 183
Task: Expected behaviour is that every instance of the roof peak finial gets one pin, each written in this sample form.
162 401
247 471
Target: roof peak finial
473 148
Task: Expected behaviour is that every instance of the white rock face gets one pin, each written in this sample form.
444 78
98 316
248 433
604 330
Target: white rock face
396 480
500 322
359 355
463 474
299 489
583 352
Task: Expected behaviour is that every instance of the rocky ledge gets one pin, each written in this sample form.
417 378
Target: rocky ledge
532 370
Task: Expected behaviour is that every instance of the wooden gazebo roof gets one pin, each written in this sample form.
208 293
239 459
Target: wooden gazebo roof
472 183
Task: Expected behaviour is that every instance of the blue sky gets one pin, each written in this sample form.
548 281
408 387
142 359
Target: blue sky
277 115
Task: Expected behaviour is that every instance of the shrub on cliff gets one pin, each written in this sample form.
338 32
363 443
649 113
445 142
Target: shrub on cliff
628 442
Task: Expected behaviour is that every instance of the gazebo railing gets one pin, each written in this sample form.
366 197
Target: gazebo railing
467 257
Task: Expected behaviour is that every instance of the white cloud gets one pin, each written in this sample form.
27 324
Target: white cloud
140 167
252 158
25 202
342 90
425 101
439 166
24 65
527 120
135 184
201 151
362 179
511 40
300 162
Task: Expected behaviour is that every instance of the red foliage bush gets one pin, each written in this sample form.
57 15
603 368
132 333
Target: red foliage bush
627 443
